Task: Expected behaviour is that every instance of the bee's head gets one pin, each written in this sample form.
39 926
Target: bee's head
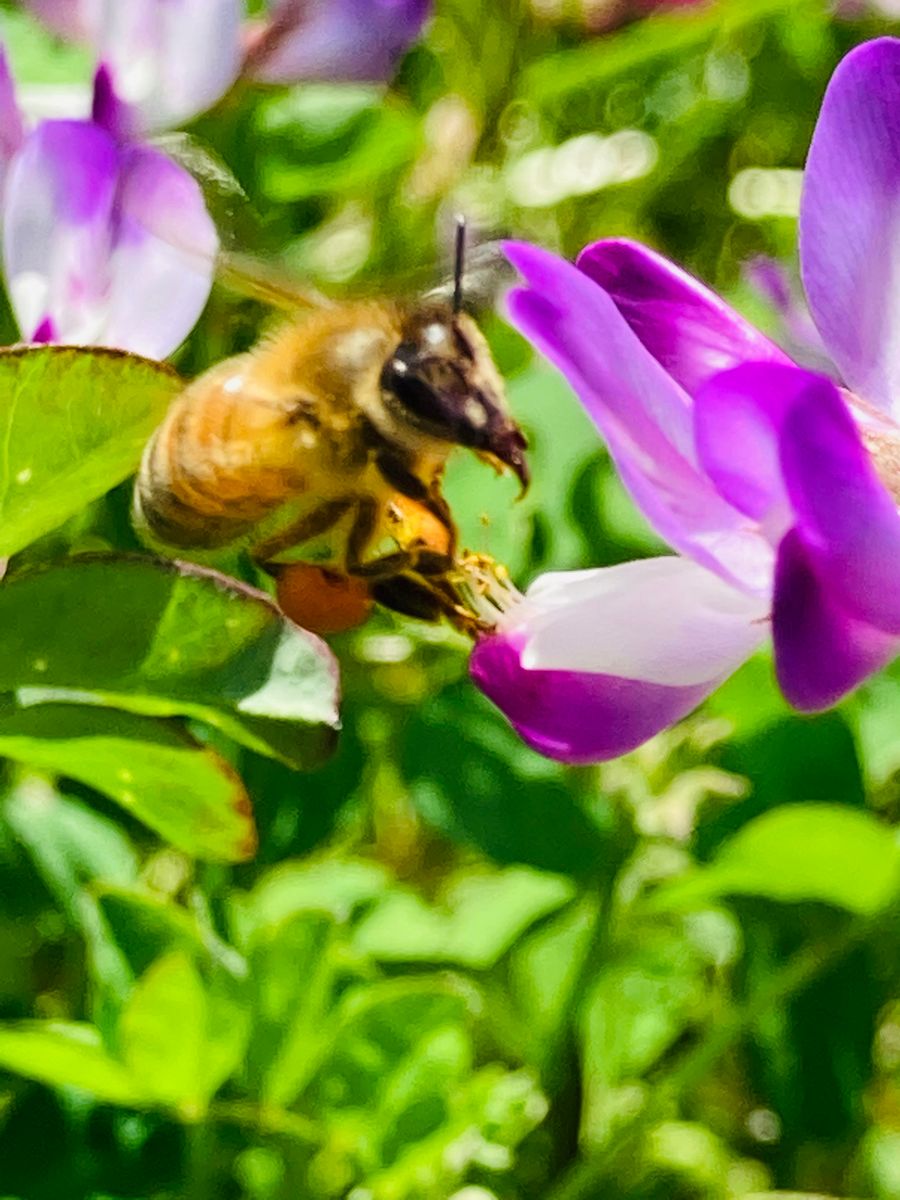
441 382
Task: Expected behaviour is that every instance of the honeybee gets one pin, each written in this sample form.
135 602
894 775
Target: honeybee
321 451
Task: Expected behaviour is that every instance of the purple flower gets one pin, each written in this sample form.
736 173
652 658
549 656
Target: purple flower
335 39
105 241
169 59
777 490
779 288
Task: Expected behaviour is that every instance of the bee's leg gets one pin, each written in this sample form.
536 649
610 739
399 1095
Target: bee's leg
426 600
396 473
310 525
382 567
407 595
431 561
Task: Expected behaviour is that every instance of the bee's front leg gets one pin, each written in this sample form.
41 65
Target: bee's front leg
364 533
422 532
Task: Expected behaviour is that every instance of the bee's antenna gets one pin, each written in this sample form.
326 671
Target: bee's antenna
459 263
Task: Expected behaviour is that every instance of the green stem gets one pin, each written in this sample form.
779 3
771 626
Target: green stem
586 1178
200 1161
259 1119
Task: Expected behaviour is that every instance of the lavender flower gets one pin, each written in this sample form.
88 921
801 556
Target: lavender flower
105 241
335 39
169 59
777 490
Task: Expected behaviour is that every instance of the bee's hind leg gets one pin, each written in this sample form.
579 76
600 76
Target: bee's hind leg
310 525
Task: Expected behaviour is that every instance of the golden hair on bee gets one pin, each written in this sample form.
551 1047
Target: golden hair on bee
327 442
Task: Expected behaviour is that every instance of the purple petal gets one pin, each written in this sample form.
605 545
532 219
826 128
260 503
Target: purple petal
163 259
775 284
57 218
574 717
821 651
114 247
738 420
45 334
644 415
12 129
65 17
336 39
841 507
170 59
687 328
596 662
850 217
109 111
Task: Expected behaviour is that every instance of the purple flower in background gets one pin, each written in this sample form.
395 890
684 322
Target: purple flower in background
777 489
172 59
774 283
169 59
335 39
105 241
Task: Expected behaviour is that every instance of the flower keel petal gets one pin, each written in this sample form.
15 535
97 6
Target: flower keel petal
841 508
659 620
595 663
687 328
821 651
576 717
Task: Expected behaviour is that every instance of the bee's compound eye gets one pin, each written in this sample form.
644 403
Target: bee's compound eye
320 600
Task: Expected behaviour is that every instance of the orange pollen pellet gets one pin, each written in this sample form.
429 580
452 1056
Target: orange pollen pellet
320 600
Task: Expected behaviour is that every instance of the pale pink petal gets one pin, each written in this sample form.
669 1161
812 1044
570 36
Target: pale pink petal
661 620
12 129
104 245
170 59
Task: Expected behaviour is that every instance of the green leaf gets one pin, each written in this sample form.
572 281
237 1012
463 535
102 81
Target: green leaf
73 424
145 927
66 1055
70 845
324 139
161 638
179 1041
334 886
378 1027
799 852
127 930
189 795
476 922
637 1007
292 968
498 794
667 37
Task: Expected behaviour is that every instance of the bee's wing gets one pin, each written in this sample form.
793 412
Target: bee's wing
237 224
486 275
267 282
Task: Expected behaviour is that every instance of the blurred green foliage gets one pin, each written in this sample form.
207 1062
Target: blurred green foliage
451 968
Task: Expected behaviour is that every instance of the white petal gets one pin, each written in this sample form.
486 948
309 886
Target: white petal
659 620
